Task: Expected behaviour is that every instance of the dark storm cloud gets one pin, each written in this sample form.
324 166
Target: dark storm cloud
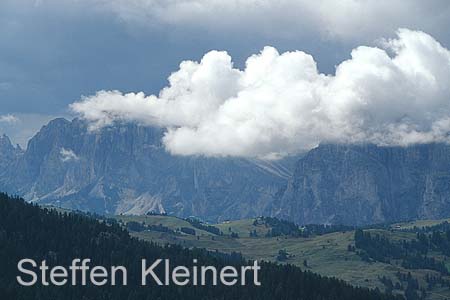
54 51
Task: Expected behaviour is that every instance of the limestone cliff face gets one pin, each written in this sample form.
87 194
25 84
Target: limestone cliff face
7 151
368 184
125 169
8 155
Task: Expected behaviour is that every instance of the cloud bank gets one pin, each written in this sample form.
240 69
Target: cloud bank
345 20
398 94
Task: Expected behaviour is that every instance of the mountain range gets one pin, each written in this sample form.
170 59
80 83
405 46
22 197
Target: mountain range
125 169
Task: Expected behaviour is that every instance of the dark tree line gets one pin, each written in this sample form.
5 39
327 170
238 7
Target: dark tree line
138 227
188 230
286 228
27 231
435 240
205 227
435 237
413 254
443 227
413 291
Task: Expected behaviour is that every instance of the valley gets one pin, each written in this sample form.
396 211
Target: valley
326 254
58 237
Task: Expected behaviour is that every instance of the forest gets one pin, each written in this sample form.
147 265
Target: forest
412 254
28 231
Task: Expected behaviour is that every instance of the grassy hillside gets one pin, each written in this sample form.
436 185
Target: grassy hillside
418 224
28 231
326 254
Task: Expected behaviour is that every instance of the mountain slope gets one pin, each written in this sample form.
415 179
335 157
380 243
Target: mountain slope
368 184
27 231
327 250
8 155
125 169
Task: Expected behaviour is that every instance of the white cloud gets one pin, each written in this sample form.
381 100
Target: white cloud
9 119
68 155
280 103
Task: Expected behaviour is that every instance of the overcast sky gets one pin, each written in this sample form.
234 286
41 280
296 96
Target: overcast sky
54 52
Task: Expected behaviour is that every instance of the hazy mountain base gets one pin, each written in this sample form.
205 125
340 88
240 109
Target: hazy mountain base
326 254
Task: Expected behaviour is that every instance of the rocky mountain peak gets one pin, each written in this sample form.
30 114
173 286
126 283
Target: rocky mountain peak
5 142
125 169
7 150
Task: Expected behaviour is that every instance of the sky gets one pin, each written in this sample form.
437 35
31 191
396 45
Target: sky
253 78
